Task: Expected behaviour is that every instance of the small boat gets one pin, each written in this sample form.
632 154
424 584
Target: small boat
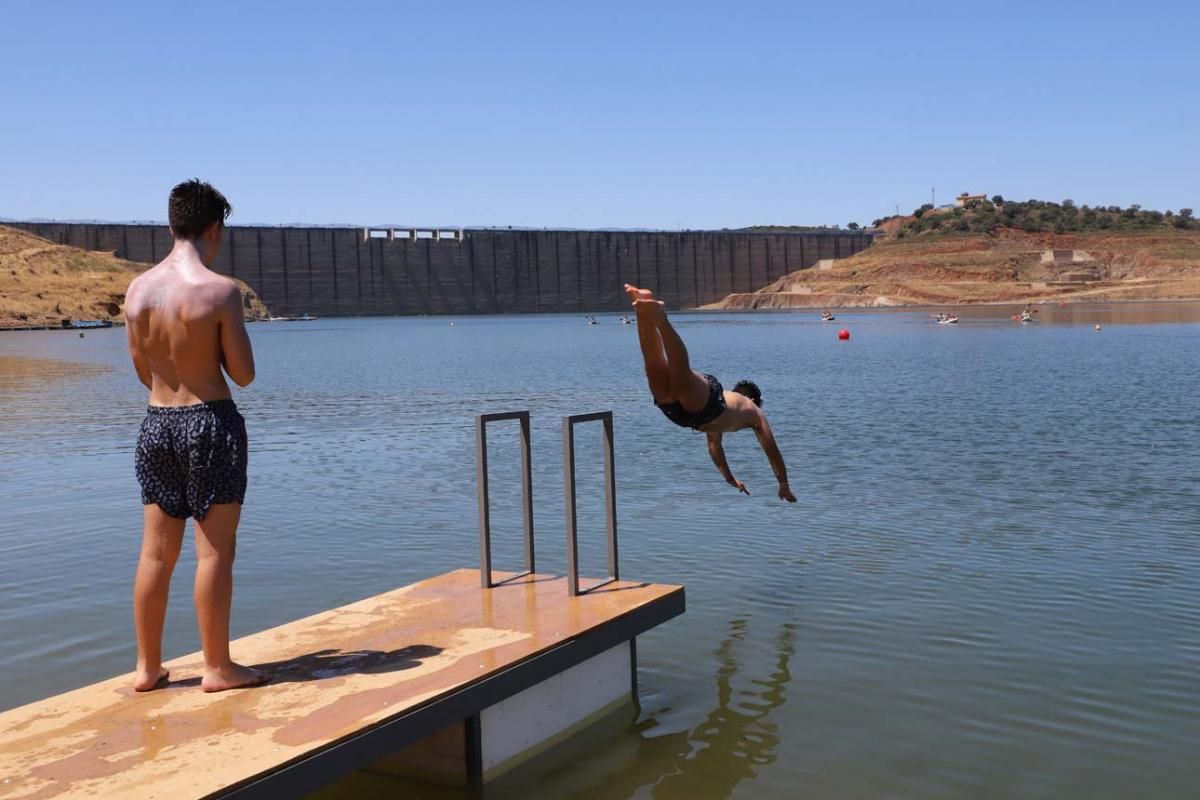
950 320
827 316
1025 317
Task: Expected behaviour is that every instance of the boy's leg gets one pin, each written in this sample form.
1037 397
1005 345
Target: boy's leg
161 540
689 387
655 360
216 541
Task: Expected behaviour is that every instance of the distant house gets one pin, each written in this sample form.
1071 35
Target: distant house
964 199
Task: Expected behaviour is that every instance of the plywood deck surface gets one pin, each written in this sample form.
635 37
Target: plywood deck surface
335 674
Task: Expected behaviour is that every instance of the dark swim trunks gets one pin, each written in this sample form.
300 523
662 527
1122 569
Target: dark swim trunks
694 419
189 458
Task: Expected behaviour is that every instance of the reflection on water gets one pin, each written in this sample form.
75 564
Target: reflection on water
731 744
25 375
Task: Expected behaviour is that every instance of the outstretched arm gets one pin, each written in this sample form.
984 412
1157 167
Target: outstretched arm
717 451
766 438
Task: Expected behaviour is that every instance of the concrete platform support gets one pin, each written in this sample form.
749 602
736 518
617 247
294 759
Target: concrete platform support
516 729
527 723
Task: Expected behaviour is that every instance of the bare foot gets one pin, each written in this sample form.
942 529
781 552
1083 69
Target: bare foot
144 680
636 294
235 676
649 306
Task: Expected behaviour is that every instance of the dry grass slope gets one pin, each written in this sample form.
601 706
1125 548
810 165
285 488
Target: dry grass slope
1006 266
42 283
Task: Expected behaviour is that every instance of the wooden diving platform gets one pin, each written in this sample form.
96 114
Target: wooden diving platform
445 664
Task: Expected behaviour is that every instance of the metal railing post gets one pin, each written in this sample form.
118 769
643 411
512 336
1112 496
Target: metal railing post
527 489
569 504
610 499
485 511
610 495
481 479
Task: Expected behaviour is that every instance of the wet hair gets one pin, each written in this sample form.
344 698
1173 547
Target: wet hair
193 207
750 389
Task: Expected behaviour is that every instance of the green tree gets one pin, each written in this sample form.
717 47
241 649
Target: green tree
853 226
997 199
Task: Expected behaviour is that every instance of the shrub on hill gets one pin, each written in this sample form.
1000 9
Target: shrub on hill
981 216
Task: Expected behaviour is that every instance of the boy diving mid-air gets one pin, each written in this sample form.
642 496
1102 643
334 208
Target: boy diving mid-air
693 400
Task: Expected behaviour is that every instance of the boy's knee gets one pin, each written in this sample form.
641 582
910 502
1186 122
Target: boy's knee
217 558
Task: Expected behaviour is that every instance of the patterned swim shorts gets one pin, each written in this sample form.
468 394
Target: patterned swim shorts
191 457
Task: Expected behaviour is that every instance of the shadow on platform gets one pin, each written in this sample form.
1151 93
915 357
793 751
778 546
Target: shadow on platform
334 663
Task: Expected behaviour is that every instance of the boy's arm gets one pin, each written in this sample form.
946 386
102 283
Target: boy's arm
766 439
136 354
237 357
135 346
717 451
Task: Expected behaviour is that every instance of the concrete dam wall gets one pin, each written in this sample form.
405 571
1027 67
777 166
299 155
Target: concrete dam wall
382 271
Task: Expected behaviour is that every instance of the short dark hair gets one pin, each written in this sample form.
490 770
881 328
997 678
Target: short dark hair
194 206
750 389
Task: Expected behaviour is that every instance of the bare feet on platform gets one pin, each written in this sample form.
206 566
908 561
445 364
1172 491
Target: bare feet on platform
146 680
235 676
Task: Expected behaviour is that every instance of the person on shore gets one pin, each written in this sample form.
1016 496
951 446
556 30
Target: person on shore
185 324
698 401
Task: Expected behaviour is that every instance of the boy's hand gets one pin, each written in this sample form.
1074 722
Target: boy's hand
785 493
741 487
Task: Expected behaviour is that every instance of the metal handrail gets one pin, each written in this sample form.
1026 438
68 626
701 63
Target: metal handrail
610 492
485 515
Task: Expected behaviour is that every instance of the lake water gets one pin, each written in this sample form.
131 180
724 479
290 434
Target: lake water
989 588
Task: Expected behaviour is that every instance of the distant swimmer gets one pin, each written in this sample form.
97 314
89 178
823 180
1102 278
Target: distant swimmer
184 325
694 400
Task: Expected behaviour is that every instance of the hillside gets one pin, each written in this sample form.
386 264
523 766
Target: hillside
1002 266
42 283
984 215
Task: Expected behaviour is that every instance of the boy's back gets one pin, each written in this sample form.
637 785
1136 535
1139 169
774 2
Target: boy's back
178 314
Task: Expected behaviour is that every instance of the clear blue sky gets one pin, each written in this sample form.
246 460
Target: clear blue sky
651 114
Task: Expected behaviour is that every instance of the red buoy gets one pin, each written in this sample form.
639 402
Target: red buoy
844 335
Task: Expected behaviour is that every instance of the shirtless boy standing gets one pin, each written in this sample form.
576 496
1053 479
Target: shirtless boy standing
184 324
694 400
